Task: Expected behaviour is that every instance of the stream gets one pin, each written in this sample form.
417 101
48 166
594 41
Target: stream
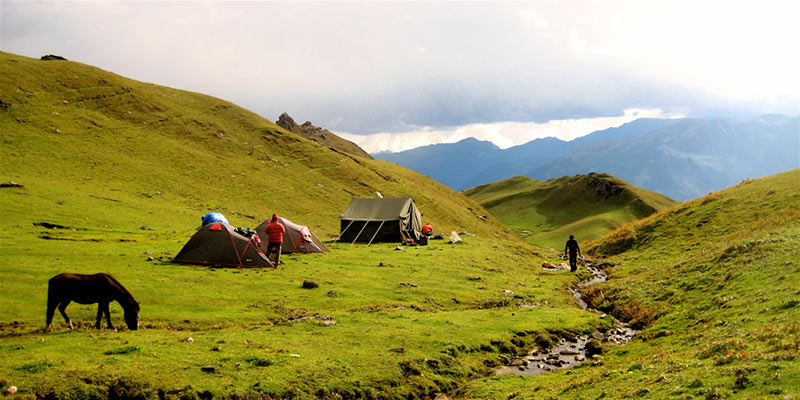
569 353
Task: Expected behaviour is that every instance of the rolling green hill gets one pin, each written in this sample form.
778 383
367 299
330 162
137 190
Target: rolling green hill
714 281
72 133
547 212
114 177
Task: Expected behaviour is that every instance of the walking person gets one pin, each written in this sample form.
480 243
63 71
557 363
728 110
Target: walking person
274 231
573 250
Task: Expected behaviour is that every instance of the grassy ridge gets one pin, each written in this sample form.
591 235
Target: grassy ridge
127 168
547 212
715 282
71 130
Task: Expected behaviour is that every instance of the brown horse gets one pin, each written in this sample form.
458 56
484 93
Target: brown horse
89 289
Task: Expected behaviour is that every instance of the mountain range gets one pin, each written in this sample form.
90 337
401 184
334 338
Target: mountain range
679 158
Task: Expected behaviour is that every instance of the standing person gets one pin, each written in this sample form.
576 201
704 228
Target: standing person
574 250
274 231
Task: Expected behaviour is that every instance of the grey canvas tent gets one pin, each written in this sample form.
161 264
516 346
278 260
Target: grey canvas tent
218 244
380 220
296 239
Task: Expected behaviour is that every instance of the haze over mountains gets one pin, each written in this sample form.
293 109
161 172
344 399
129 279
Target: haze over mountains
682 159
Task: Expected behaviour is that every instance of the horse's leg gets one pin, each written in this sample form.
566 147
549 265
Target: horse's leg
51 310
99 315
62 308
108 316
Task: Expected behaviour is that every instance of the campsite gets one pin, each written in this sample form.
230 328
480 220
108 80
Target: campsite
166 194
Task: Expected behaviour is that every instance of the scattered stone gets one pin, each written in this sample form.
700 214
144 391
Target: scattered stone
144 227
408 284
208 369
310 285
508 292
399 248
440 396
474 278
189 340
294 355
11 390
332 293
150 258
399 350
11 184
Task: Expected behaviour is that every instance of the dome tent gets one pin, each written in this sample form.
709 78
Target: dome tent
218 244
297 238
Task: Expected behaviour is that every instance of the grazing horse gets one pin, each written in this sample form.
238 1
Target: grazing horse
89 289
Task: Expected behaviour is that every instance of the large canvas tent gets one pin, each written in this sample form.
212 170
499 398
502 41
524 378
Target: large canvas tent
218 244
380 220
297 238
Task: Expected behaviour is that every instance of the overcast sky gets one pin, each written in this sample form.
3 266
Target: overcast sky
409 74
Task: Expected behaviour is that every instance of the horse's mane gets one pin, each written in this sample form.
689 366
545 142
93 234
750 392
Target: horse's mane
122 288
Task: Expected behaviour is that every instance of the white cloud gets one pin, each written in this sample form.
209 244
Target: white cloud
502 134
533 18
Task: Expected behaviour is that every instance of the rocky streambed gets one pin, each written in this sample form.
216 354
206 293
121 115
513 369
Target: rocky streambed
569 352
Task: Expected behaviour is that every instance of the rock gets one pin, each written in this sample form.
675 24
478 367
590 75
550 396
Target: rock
294 355
593 347
150 258
310 285
474 278
399 350
189 340
408 284
208 369
11 390
10 184
399 248
440 396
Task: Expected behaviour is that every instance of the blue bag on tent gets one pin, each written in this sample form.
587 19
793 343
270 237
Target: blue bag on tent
214 217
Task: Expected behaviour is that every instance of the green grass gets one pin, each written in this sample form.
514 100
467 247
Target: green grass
128 168
547 212
714 281
134 166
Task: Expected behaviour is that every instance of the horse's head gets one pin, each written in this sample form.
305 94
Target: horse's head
132 316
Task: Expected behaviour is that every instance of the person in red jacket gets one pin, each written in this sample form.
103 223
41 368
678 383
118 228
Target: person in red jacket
274 231
427 230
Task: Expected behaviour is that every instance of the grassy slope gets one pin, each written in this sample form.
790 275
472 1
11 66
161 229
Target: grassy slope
547 212
717 279
130 167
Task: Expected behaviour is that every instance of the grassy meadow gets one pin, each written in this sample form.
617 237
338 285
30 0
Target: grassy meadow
714 284
126 169
547 212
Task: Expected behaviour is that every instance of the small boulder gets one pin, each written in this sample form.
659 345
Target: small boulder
208 369
310 285
399 350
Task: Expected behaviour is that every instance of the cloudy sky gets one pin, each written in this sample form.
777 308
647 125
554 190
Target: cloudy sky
391 76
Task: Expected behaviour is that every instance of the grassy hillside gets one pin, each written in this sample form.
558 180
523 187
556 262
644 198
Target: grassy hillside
74 133
715 282
547 212
125 170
